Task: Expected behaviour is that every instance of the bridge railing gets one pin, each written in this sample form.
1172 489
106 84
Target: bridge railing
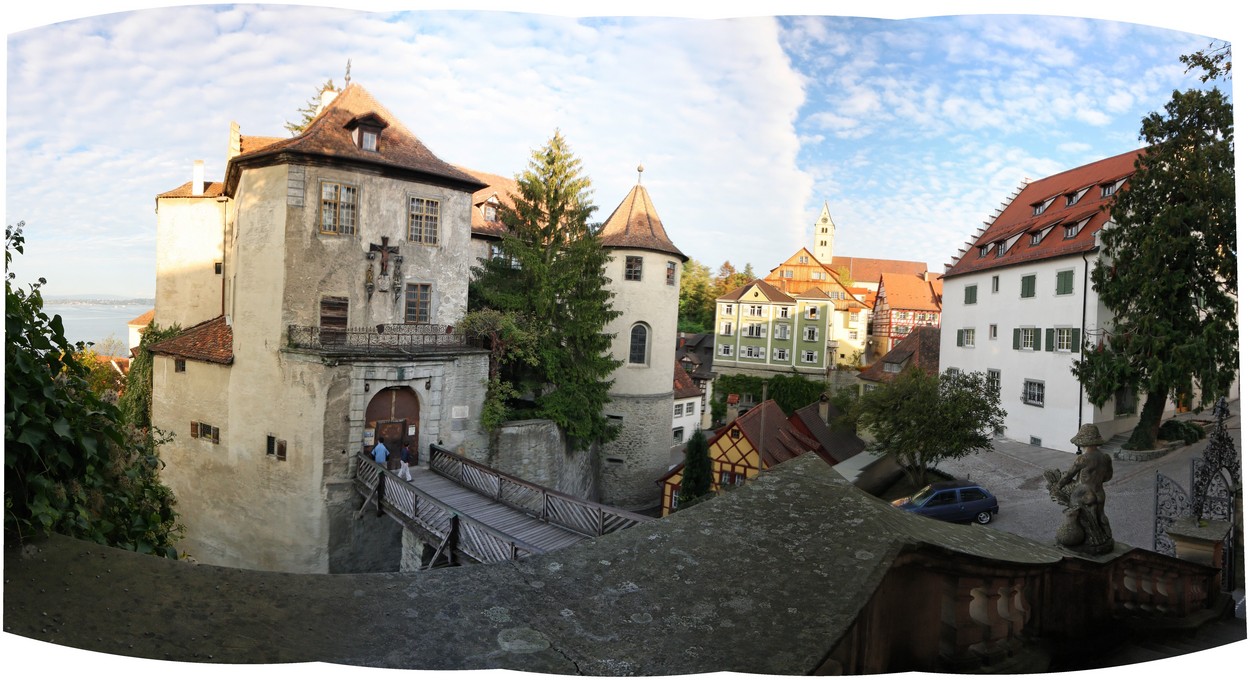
409 504
572 513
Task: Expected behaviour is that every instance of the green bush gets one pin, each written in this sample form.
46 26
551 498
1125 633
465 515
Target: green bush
1177 430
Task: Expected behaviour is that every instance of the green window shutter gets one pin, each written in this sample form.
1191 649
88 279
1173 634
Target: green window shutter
1026 285
1063 283
970 295
1050 339
959 338
1015 338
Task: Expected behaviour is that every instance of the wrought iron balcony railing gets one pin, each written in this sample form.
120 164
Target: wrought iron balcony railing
379 339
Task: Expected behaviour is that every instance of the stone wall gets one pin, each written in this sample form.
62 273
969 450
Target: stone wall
534 450
640 453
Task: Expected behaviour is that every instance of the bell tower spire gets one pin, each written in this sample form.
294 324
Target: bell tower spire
822 245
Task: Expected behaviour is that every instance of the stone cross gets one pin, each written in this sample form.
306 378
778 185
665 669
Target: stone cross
386 250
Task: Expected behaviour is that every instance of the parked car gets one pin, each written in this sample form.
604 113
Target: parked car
958 500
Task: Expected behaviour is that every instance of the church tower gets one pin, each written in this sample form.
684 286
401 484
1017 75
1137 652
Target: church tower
644 270
822 246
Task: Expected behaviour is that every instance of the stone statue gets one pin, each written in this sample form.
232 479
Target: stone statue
1085 527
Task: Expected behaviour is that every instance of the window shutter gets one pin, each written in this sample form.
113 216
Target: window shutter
1050 339
1015 338
216 438
281 454
959 338
195 430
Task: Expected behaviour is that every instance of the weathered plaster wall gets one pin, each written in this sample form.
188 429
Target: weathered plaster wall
188 244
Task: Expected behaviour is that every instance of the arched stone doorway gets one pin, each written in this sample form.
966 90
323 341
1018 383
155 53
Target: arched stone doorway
395 413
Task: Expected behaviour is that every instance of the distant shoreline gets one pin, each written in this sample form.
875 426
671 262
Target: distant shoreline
99 301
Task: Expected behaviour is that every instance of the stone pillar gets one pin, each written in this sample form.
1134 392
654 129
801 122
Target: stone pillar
1201 542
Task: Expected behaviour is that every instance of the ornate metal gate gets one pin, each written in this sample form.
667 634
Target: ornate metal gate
1215 481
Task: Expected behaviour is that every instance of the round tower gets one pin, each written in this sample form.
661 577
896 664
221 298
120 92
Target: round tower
644 270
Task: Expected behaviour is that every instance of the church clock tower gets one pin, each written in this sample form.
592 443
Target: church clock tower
822 245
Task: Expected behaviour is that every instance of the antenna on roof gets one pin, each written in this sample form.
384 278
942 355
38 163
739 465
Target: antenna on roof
640 173
347 77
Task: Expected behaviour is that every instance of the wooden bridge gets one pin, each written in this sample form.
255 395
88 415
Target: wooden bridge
470 510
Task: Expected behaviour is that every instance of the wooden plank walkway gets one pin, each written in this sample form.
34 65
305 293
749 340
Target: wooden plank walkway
498 516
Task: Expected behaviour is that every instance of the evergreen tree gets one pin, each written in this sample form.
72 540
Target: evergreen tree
72 465
1168 270
309 110
551 274
696 476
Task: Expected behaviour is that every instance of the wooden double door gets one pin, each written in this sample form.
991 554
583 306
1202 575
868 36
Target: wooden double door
394 414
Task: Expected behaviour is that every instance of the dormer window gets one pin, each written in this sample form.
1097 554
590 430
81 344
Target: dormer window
1001 248
488 212
1108 189
1070 230
985 250
366 131
1038 208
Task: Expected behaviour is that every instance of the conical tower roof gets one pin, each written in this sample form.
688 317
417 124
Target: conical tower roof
635 224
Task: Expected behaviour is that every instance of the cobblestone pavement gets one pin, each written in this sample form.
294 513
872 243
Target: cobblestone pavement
1013 473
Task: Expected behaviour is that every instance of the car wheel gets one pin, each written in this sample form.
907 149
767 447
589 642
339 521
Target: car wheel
984 517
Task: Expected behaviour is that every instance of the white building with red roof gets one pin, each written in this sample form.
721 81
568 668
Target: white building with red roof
1020 303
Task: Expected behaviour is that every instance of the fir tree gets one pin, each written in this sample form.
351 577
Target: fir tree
1168 270
309 110
696 476
551 274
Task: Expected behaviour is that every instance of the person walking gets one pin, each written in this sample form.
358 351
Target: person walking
380 452
404 457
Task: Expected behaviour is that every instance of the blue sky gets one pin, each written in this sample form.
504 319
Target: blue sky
913 130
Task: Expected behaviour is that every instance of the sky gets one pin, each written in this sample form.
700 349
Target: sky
913 131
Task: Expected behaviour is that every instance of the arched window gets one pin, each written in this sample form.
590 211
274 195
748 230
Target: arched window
638 344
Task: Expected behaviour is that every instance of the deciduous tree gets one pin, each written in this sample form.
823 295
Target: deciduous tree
696 307
921 419
72 464
1168 267
551 273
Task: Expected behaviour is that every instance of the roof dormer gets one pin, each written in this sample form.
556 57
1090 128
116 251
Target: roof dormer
366 131
1075 196
1039 208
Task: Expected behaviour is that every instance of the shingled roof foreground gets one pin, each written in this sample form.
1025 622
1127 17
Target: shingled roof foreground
328 136
211 341
609 606
1018 218
636 224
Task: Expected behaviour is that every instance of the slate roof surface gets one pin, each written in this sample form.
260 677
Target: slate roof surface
211 189
683 386
211 341
328 136
608 607
904 291
1017 217
921 347
841 444
496 185
771 293
636 224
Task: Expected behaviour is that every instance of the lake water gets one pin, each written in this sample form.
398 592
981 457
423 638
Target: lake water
95 322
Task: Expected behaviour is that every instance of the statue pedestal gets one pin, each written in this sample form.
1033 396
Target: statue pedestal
1201 542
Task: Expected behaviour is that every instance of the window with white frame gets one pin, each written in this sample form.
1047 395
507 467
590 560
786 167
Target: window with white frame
811 312
985 250
729 309
993 331
751 351
638 344
1065 338
633 268
781 331
1026 339
784 313
810 333
802 259
755 310
781 354
1108 189
994 380
755 330
965 337
670 274
678 409
727 328
1071 230
1034 393
852 335
679 435
690 408
726 350
809 356
994 284
1001 248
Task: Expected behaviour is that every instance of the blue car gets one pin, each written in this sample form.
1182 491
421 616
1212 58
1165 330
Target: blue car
958 500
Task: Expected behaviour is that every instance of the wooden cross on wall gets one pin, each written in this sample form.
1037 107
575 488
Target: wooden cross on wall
386 250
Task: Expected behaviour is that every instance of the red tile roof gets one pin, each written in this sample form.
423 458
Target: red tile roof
683 386
328 137
635 224
211 189
502 188
1017 218
871 269
250 143
905 291
143 319
211 341
921 347
782 440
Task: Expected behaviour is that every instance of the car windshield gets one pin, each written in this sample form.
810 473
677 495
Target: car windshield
921 496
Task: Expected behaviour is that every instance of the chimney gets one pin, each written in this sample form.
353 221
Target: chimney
197 179
823 409
327 96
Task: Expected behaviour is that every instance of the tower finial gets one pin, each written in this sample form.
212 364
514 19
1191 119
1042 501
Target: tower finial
640 173
347 77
